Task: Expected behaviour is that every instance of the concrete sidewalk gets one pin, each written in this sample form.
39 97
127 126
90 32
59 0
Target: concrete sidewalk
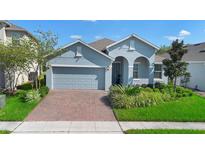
11 126
93 127
73 127
162 125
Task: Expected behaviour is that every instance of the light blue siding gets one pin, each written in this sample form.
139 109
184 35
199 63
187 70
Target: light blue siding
90 71
89 57
140 49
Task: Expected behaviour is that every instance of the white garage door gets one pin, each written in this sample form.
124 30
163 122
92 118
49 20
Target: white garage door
78 78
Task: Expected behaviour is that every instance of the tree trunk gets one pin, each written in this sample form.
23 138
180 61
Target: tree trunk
175 83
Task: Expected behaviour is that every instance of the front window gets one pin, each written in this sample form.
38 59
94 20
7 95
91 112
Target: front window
135 71
158 71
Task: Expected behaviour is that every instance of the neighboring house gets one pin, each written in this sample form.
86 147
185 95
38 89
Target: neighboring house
195 57
100 64
9 32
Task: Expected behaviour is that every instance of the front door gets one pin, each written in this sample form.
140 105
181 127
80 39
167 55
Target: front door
117 73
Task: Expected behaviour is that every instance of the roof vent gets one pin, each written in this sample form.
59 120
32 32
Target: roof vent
132 45
78 53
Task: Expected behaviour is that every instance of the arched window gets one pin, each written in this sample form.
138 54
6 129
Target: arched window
141 68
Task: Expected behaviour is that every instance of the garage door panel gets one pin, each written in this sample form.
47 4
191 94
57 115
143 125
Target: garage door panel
78 78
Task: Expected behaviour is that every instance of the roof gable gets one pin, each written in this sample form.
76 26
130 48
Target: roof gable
62 50
135 36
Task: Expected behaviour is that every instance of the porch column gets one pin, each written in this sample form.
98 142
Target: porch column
108 77
151 73
130 74
49 77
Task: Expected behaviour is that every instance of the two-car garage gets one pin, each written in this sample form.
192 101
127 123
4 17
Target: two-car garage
79 66
78 78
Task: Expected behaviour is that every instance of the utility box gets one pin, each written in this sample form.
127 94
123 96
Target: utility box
2 100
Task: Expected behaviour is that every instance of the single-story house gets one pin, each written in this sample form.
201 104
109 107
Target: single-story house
195 57
100 64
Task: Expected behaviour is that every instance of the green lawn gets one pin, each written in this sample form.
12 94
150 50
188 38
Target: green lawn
15 109
4 132
164 131
185 109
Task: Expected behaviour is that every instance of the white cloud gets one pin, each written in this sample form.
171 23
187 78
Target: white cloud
75 36
98 37
183 33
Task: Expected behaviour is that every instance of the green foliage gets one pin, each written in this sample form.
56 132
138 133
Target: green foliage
32 96
43 91
42 81
132 96
15 57
163 49
16 109
175 67
164 131
182 109
183 92
5 132
25 86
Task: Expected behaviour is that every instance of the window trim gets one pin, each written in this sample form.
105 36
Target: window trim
158 71
134 71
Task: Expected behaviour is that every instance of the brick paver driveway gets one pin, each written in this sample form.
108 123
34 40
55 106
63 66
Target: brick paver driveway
73 105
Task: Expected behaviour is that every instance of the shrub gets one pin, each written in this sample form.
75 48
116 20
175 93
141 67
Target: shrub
43 91
146 98
183 92
147 89
25 86
131 96
42 80
134 96
144 85
31 96
21 94
129 90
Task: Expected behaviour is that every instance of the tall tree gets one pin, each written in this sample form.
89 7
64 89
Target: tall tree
175 67
14 60
47 42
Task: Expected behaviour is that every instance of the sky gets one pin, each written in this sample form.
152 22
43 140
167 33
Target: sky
159 32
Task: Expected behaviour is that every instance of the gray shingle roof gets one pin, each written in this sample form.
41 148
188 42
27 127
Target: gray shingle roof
159 58
101 44
196 52
13 27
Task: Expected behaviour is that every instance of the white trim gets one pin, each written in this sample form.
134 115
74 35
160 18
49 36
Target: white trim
203 62
79 41
83 66
51 77
158 79
158 63
137 37
136 79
